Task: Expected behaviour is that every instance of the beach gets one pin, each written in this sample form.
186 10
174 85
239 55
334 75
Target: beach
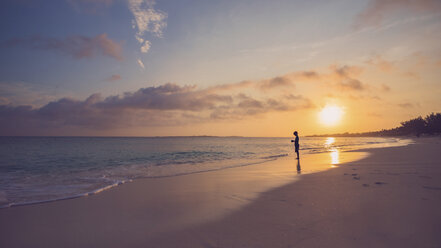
383 197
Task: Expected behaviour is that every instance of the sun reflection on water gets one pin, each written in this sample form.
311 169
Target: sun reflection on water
329 141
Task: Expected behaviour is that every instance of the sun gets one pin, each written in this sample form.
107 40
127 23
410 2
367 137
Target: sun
330 115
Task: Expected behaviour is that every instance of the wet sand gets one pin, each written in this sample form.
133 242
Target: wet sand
391 198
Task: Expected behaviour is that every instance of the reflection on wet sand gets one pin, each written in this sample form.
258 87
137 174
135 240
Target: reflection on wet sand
334 153
335 157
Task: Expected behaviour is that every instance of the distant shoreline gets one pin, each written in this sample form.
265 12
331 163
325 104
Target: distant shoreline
361 135
355 135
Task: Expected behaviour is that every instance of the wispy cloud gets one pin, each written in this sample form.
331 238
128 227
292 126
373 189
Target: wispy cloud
140 63
376 10
77 46
146 47
407 105
147 19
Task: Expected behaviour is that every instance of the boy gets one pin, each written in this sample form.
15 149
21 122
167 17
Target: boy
296 143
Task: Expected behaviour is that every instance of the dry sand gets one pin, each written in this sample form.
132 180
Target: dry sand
391 198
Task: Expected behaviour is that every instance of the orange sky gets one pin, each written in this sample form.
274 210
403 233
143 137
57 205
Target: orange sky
230 68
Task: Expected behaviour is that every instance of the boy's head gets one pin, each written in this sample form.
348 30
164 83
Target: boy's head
295 133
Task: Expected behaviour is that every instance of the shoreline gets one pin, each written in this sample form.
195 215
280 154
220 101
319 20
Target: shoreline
116 184
191 207
319 167
237 164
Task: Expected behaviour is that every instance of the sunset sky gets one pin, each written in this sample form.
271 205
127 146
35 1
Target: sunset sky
231 67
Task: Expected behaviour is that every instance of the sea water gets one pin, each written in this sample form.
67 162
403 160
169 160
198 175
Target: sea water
40 169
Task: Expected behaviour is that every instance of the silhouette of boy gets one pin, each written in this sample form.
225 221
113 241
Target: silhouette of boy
296 143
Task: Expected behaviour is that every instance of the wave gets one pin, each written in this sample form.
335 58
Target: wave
275 156
169 173
70 168
96 191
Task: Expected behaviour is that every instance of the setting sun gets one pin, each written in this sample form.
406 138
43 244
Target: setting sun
330 115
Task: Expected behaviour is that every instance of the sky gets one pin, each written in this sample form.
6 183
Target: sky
229 68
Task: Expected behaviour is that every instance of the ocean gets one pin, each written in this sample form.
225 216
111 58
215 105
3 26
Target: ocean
41 169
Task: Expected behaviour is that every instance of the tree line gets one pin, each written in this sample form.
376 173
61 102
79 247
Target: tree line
429 125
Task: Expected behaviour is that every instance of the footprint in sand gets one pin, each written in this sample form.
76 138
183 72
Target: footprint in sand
365 185
380 183
356 178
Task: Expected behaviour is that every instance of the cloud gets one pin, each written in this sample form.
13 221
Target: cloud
376 10
114 77
385 88
276 82
284 81
147 20
352 84
380 63
140 63
288 80
340 77
173 105
77 46
346 71
407 105
231 86
344 77
307 75
165 97
167 104
248 106
146 47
